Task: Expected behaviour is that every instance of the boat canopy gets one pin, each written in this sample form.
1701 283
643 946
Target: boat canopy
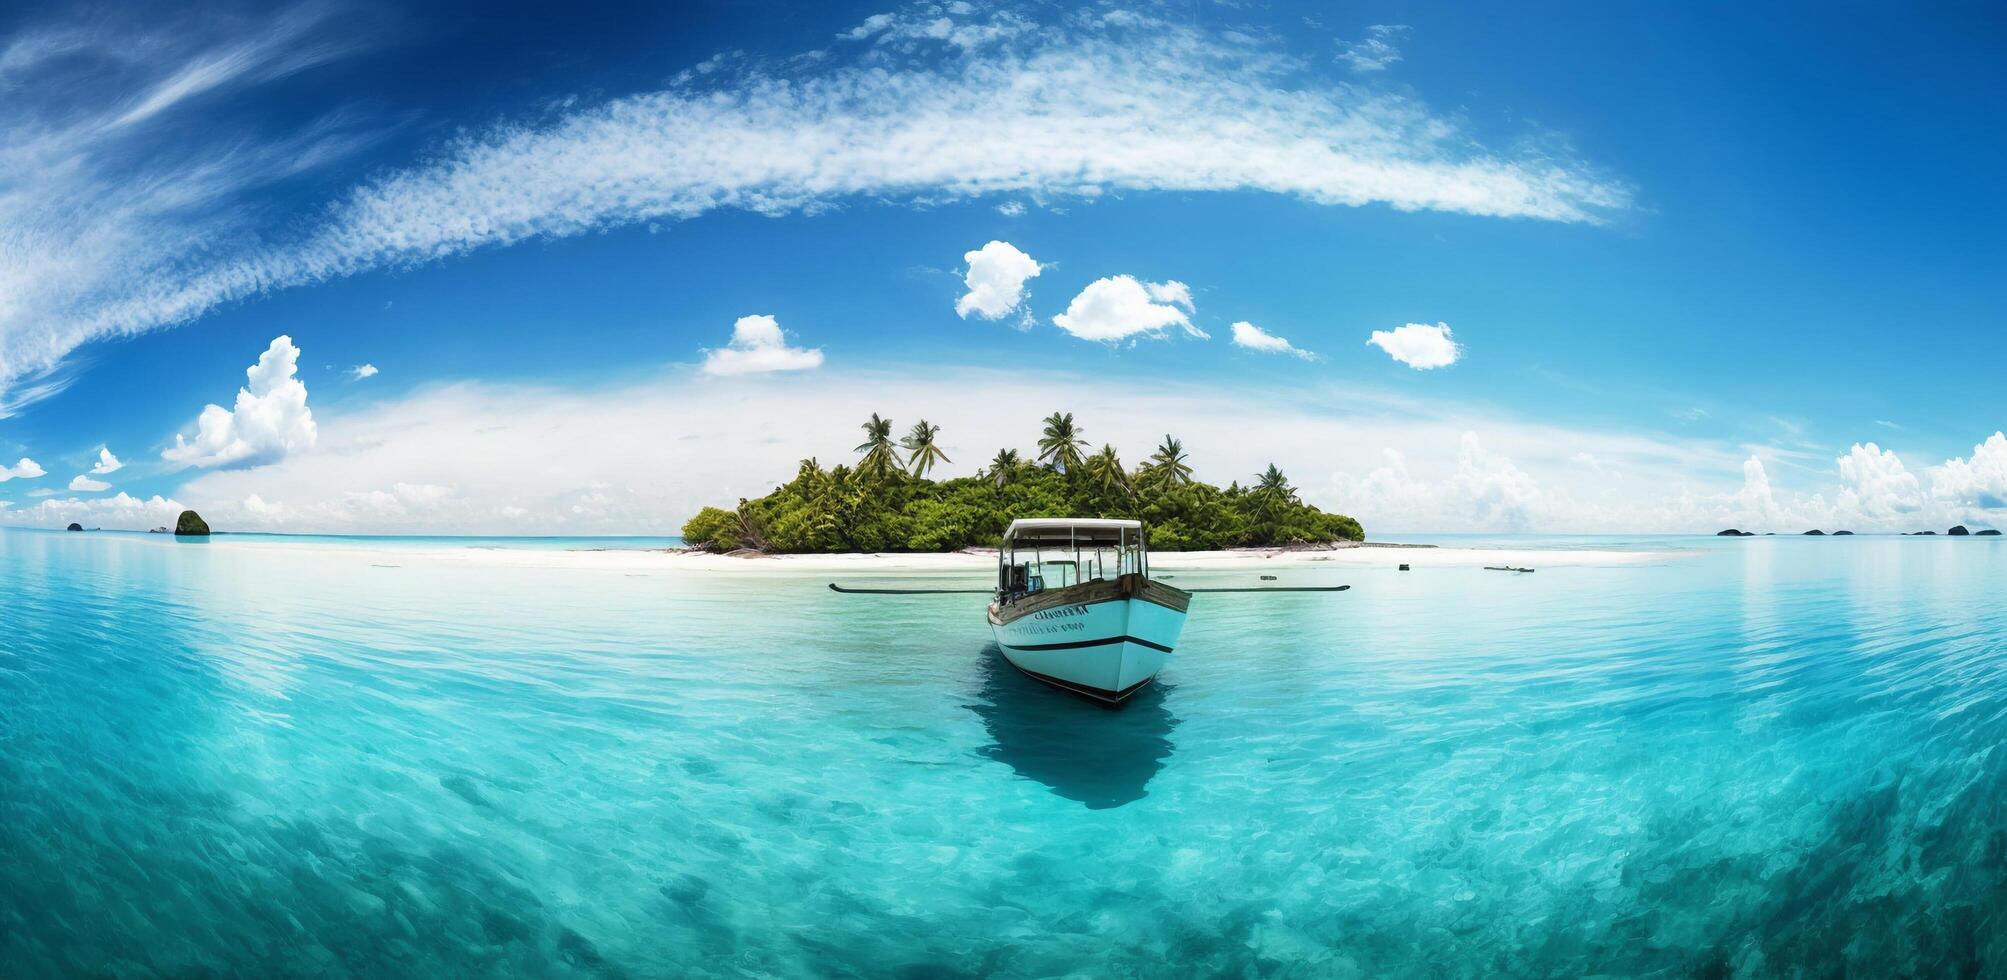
1062 551
1084 532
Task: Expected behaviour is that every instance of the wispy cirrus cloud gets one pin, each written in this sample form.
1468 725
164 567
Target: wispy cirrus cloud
924 104
1376 51
113 197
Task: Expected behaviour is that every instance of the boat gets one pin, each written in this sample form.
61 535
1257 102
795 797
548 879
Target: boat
1077 609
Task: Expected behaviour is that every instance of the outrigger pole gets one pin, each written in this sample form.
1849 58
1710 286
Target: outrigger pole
833 587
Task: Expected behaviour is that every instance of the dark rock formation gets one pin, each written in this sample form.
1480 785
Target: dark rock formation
191 523
75 527
1991 532
1843 532
1817 532
1926 534
1734 533
1958 531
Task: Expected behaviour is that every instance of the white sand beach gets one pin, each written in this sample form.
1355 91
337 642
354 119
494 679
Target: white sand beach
972 564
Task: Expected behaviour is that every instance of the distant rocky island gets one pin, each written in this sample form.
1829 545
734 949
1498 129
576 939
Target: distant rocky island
191 524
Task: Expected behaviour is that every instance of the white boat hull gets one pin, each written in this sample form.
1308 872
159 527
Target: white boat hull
1107 649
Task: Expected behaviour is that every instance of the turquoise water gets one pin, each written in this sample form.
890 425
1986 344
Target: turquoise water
1760 756
407 541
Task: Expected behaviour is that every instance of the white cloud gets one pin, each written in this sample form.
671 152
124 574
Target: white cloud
1978 481
82 483
1485 491
1173 292
26 469
117 210
1120 307
477 458
759 347
1418 345
107 463
563 461
1756 502
1011 209
1878 486
362 371
1248 335
120 511
271 417
112 238
996 277
1377 51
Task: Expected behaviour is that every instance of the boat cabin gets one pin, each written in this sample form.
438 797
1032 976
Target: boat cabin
1056 552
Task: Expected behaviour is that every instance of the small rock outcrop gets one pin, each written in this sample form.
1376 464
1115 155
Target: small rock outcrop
1843 532
1735 533
74 527
1991 532
191 523
1815 531
1958 531
1921 534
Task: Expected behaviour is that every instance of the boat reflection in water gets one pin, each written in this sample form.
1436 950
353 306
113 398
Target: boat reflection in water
1101 758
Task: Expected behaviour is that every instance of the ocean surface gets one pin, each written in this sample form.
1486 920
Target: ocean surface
1750 757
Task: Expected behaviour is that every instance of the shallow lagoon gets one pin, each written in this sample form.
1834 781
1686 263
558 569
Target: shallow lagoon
1755 756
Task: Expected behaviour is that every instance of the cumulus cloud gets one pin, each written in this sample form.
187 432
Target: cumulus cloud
82 483
26 469
120 511
113 238
478 458
996 277
1877 485
759 347
1376 51
1979 480
270 419
1418 345
1120 307
1756 499
1485 490
107 463
1248 335
362 371
517 456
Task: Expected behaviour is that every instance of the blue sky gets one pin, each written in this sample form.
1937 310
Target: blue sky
1699 267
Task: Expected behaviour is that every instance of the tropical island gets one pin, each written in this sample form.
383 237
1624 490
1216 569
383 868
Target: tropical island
886 503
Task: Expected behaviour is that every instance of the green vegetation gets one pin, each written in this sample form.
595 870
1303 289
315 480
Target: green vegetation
886 502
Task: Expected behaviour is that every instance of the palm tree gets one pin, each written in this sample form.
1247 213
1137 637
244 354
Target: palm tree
1060 448
1004 467
1104 471
752 531
880 458
1272 492
1167 465
920 445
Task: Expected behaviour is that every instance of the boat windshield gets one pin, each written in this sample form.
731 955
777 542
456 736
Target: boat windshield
1054 557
